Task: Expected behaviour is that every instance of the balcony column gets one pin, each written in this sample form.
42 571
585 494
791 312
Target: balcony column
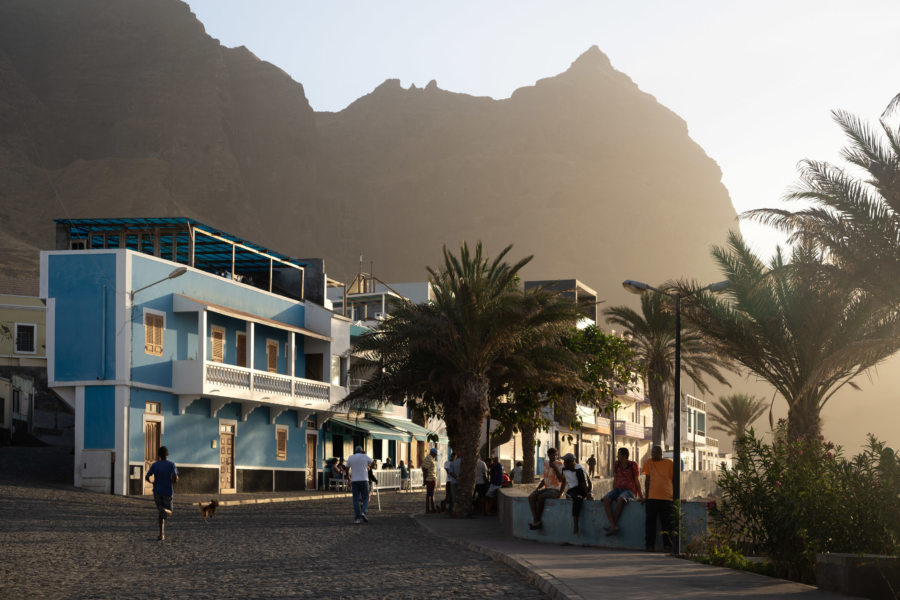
201 339
251 348
293 360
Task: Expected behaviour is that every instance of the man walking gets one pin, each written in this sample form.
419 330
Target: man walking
358 467
626 485
551 487
164 475
429 474
592 464
659 501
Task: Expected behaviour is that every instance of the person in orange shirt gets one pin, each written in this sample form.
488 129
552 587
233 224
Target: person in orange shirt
659 502
552 486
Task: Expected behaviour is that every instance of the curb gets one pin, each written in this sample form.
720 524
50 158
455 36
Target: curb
539 578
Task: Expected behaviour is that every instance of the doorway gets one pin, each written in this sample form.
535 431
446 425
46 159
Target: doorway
152 442
226 458
311 443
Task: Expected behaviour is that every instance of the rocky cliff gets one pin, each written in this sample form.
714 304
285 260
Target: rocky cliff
128 108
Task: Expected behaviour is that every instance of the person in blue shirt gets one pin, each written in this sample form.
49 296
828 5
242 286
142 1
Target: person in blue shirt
164 475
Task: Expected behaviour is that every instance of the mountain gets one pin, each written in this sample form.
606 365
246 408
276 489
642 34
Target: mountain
128 108
116 108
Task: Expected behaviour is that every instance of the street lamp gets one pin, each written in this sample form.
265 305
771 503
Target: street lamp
175 273
637 287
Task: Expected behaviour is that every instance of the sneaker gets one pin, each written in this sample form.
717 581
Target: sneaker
364 517
357 521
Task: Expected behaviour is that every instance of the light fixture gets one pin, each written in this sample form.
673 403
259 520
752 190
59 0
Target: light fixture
175 273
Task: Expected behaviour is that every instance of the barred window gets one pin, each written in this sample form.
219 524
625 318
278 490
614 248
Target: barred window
154 325
25 334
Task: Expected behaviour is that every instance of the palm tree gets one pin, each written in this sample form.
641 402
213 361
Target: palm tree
733 414
790 325
442 355
854 218
653 334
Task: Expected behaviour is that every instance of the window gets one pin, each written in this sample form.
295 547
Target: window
153 408
241 349
25 334
272 356
335 369
281 437
16 401
154 325
337 446
218 344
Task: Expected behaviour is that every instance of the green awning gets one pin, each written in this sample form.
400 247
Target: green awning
371 428
417 431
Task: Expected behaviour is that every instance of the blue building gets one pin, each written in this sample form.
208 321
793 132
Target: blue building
170 332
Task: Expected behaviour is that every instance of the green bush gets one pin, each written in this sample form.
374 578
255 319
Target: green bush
792 499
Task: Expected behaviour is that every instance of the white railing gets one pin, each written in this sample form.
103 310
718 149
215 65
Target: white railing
249 380
227 376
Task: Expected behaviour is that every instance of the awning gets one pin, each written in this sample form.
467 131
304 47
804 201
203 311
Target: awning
371 428
187 304
417 431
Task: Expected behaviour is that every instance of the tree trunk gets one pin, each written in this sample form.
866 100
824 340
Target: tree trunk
657 394
803 419
497 439
528 434
473 408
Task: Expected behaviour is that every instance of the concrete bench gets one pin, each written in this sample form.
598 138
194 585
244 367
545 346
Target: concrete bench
557 522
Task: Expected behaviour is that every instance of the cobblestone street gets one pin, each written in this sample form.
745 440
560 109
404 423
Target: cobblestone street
58 542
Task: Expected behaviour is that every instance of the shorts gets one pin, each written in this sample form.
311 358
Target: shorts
429 489
163 503
616 493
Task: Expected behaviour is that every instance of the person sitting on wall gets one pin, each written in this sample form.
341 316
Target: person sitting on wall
517 473
551 486
626 485
578 486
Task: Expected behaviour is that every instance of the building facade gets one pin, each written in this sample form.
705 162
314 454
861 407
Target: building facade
23 362
169 332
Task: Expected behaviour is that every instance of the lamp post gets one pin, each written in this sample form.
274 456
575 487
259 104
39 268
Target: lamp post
637 287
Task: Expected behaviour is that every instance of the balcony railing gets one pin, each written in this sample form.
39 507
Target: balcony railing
712 442
627 428
241 383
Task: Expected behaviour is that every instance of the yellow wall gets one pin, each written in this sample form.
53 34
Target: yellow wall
22 309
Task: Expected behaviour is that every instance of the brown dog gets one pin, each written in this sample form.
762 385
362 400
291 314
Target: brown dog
208 510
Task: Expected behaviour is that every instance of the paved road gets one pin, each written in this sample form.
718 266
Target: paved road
58 542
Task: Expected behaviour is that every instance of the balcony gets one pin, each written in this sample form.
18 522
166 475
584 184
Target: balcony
192 379
713 442
629 429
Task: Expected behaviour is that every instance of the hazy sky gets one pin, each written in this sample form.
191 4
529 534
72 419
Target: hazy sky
755 81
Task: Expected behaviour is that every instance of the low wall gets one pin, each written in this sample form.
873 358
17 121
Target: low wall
515 515
866 575
695 485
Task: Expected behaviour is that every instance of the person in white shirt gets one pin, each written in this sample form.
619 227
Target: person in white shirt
452 469
358 467
578 485
481 485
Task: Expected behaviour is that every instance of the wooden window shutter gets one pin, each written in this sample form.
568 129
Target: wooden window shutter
153 334
281 439
218 345
272 356
241 350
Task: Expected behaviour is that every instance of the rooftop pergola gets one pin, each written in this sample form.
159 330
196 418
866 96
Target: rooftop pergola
189 242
